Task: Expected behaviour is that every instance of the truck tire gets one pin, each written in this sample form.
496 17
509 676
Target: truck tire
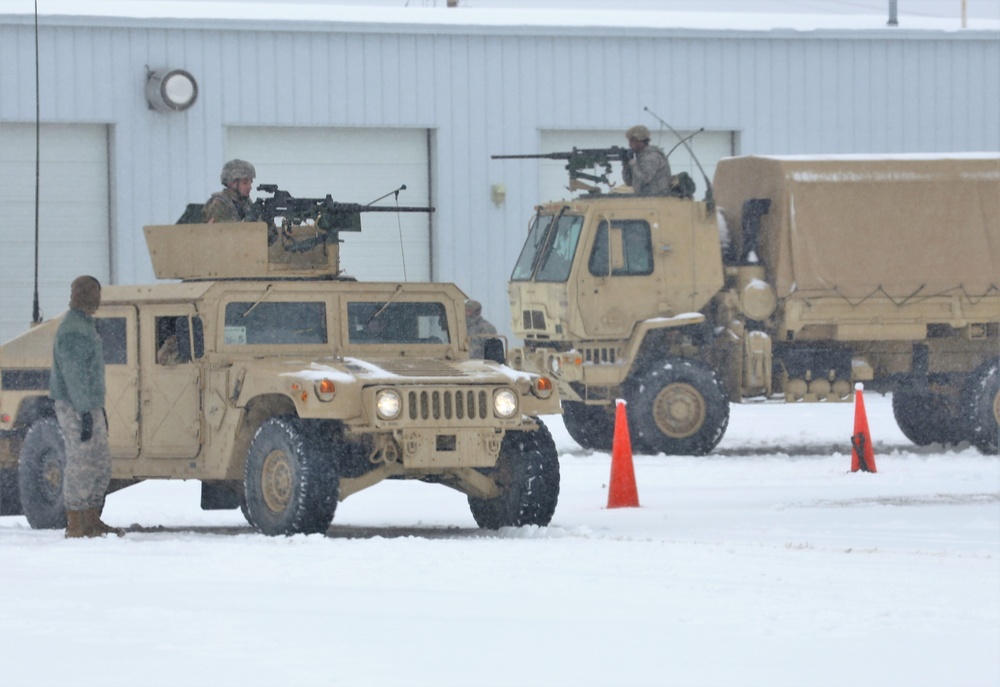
924 418
527 471
982 405
593 427
291 486
677 407
40 475
10 498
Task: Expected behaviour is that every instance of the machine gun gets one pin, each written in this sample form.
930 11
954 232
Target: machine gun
580 159
283 213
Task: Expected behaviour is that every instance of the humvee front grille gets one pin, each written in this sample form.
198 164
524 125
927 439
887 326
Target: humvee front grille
466 404
600 355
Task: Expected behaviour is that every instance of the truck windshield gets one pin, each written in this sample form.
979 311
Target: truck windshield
396 322
548 253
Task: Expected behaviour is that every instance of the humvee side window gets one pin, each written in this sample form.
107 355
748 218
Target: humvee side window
281 322
636 249
172 341
112 331
396 322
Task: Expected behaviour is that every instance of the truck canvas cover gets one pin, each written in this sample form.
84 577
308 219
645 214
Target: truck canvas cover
901 226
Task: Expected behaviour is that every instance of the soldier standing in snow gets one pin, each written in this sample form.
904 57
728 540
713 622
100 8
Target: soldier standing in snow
648 172
231 204
478 327
76 384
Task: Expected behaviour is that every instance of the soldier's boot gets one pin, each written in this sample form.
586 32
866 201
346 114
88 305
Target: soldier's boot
75 528
100 527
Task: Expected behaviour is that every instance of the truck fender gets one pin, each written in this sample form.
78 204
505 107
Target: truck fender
644 327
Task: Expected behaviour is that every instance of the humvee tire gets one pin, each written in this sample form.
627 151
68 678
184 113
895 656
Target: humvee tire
10 499
527 470
677 407
924 418
593 427
982 403
40 475
291 487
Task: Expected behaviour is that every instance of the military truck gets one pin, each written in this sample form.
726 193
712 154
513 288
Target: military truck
285 386
810 275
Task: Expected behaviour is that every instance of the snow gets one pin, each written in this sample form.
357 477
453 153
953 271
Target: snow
766 563
745 15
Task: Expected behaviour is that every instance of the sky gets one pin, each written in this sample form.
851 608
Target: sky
765 564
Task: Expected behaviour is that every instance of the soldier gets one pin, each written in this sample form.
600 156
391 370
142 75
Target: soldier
76 384
232 204
478 327
648 172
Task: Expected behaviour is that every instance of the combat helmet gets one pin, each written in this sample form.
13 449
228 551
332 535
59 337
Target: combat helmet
237 169
638 132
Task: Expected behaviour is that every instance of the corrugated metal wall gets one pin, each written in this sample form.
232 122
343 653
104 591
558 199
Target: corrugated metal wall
485 90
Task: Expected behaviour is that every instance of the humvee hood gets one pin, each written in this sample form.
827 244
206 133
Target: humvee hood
428 370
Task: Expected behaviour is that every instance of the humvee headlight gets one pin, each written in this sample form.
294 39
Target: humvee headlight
325 389
388 404
542 387
555 364
504 403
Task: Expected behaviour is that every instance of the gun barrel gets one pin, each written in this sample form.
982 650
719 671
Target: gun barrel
540 156
387 208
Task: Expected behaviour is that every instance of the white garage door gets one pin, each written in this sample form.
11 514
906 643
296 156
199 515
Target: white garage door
708 146
73 217
354 166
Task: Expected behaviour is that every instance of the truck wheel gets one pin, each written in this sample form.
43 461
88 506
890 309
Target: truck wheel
982 403
677 408
40 475
291 486
592 427
924 418
527 471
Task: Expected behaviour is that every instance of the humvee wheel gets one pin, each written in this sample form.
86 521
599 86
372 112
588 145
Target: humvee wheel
590 426
924 418
40 475
982 402
291 487
677 408
527 471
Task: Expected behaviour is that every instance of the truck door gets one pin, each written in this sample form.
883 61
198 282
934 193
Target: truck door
617 284
170 398
117 325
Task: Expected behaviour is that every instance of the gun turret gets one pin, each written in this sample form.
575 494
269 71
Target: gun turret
281 236
580 159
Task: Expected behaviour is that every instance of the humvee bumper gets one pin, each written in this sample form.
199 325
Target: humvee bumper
444 448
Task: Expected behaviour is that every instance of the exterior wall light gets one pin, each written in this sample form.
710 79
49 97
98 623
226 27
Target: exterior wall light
170 90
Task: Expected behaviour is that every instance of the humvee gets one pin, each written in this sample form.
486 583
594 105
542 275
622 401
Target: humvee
810 275
285 386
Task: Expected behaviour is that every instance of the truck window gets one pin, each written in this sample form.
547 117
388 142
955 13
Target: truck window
525 266
637 246
281 322
396 322
112 331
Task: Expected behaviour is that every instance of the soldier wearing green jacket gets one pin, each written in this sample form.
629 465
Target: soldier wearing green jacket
76 384
231 204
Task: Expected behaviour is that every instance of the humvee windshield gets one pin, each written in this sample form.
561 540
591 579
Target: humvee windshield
280 322
548 253
396 322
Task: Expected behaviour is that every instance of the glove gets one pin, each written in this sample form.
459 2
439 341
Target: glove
86 426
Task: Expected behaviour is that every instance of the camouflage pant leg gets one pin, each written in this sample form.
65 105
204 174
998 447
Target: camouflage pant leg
88 464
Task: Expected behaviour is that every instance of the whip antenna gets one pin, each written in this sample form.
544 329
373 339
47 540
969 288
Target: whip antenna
36 310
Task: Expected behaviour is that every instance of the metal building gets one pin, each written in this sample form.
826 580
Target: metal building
358 103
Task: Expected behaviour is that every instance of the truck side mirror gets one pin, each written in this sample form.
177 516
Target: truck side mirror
617 249
182 329
493 350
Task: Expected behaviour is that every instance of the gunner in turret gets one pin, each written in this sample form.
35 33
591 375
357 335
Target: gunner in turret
648 172
232 204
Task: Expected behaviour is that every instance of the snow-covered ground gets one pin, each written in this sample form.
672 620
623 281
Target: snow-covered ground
767 563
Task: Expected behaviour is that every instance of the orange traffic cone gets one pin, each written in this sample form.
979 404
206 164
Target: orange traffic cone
862 453
622 492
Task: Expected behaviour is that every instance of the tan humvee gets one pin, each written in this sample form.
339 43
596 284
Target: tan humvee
286 387
833 271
